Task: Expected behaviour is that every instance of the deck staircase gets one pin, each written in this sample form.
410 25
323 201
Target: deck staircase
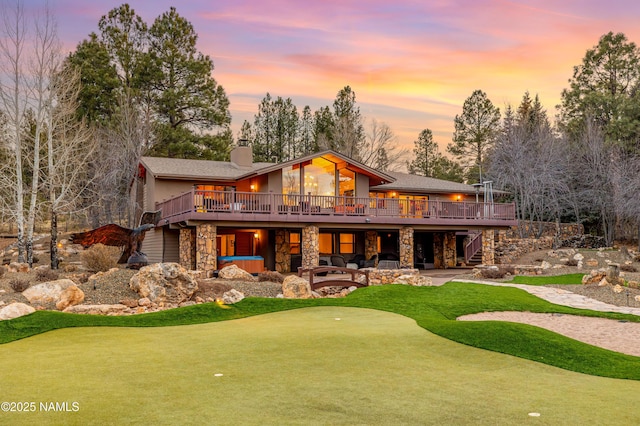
473 250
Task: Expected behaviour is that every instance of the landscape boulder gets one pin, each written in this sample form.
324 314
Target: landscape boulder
233 272
232 296
164 283
294 287
15 310
48 292
594 277
70 296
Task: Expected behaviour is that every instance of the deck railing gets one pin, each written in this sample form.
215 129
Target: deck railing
205 201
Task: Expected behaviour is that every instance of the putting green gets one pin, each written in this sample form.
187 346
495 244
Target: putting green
324 365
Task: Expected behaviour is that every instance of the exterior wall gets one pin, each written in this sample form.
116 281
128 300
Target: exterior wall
152 245
159 190
275 182
406 247
206 252
188 248
370 244
283 254
310 246
362 185
488 247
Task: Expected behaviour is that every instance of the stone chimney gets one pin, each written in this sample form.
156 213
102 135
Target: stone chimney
242 157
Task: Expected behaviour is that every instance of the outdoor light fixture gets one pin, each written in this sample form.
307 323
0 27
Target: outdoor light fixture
459 198
253 187
256 235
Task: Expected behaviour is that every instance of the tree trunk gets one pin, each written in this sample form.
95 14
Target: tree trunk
53 246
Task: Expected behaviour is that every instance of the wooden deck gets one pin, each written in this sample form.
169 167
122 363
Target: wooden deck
234 206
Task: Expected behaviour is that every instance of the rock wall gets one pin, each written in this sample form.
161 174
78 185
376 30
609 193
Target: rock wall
549 229
397 276
488 247
283 251
406 247
444 250
508 250
450 254
188 248
206 248
310 246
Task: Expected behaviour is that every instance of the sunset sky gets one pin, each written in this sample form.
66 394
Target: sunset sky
411 63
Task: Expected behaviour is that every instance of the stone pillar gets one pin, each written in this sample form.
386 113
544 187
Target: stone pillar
206 248
283 253
450 252
310 246
488 247
371 245
438 250
188 248
406 247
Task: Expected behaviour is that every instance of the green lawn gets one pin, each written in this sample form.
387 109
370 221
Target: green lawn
322 365
548 279
433 308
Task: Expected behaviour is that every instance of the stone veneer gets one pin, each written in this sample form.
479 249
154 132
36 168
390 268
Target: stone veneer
206 248
406 247
283 253
371 245
310 246
444 250
188 248
488 247
397 276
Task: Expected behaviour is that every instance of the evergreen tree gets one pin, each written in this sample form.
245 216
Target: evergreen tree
187 100
475 131
604 88
349 136
425 153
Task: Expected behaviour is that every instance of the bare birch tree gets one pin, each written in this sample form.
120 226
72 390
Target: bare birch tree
14 99
70 146
43 63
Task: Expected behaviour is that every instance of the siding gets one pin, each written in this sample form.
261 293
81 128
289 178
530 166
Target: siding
171 245
152 245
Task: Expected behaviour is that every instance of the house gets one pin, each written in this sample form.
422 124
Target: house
304 211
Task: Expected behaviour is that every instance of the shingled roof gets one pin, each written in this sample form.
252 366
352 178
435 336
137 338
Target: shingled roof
183 169
414 183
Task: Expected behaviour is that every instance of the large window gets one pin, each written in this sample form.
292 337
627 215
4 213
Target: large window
325 241
291 180
320 177
347 183
347 242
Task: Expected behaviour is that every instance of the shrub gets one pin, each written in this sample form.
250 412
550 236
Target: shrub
46 275
100 258
19 285
571 262
628 268
271 276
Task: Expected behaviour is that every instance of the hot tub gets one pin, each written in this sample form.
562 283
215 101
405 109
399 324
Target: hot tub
251 264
